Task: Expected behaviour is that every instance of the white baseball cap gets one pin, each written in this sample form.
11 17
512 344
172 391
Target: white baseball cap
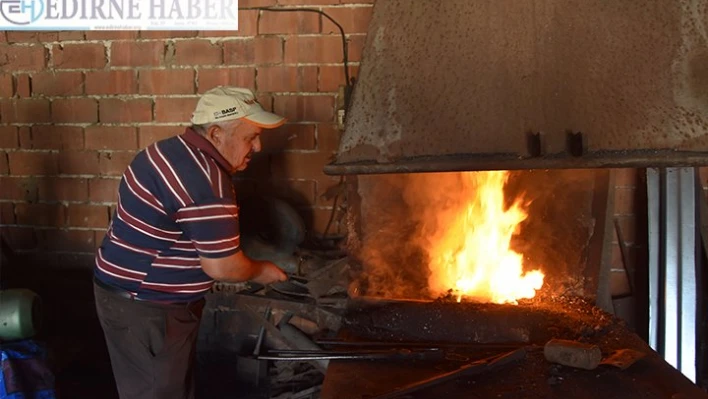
224 103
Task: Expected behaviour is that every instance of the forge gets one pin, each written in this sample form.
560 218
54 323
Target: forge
550 96
480 152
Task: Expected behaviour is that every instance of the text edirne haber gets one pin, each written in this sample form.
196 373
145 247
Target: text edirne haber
134 9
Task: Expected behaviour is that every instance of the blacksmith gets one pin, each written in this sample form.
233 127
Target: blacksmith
174 232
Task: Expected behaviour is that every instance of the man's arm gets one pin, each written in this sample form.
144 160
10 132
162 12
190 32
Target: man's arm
238 267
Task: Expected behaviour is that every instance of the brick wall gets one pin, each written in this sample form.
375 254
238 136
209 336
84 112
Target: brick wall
75 107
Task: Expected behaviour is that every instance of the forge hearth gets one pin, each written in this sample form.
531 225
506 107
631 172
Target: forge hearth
469 331
452 322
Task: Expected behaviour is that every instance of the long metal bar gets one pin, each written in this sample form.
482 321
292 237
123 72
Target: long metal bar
467 162
670 194
687 272
672 266
654 210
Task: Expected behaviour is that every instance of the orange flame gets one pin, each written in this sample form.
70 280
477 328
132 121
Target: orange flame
472 256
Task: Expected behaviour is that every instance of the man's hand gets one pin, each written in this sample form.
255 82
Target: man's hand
269 274
238 267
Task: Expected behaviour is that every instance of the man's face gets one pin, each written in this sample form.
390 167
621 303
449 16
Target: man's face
237 142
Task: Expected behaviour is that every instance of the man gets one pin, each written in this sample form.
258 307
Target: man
175 230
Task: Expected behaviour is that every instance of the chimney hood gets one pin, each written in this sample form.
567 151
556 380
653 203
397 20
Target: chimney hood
452 85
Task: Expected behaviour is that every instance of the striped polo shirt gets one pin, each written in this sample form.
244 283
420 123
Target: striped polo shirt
176 203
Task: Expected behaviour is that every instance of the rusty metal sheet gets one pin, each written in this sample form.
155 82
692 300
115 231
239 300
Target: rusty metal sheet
465 85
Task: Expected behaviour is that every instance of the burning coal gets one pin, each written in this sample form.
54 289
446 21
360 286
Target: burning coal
470 253
445 233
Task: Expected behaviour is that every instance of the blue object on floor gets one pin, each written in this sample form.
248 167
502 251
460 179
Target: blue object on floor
24 372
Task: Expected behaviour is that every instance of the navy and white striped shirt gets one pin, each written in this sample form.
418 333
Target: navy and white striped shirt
176 202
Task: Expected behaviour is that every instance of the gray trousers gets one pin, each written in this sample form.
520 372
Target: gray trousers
152 346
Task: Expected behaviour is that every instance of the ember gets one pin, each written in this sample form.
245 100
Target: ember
470 256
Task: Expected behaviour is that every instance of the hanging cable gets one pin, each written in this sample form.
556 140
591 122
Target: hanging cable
347 83
345 45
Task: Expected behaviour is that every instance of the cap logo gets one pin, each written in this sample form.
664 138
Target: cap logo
225 112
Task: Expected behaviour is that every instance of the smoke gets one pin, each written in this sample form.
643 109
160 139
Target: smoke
402 215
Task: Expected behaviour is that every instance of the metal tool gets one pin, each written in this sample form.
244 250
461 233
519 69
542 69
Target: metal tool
302 355
261 333
473 368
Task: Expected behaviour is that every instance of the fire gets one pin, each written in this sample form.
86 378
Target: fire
472 255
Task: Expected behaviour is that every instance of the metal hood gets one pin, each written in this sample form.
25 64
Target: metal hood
449 85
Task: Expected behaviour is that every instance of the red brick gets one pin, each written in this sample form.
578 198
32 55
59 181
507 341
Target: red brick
324 184
79 55
78 162
328 137
18 188
19 238
98 236
167 34
114 163
166 81
309 2
287 79
111 138
58 83
71 35
628 227
27 36
212 77
357 1
174 109
23 163
198 52
320 220
313 49
331 77
296 192
289 137
87 215
356 47
22 85
255 3
137 53
111 35
53 137
3 37
7 88
111 82
74 110
113 110
305 108
352 20
247 25
259 50
299 165
63 189
8 137
26 110
23 58
7 213
4 163
288 22
626 177
40 214
624 201
103 190
151 134
66 240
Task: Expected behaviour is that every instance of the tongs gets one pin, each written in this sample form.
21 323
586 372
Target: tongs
391 354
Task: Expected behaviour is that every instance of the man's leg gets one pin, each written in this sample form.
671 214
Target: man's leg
151 346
